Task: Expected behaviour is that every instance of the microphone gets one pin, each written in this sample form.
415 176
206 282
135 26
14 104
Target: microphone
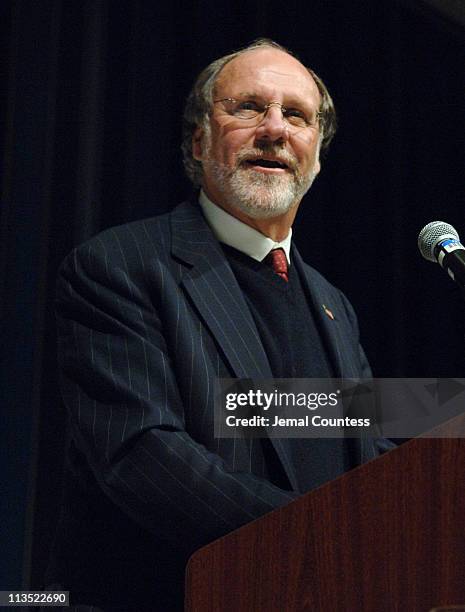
440 242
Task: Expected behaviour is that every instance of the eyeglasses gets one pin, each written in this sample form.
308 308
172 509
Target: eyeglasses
254 112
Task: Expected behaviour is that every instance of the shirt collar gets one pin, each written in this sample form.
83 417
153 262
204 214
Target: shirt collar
229 230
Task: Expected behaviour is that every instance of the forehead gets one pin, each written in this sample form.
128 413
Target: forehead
271 73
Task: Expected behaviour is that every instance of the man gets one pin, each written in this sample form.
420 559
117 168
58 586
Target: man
151 313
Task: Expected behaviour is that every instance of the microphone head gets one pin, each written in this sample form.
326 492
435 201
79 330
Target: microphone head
431 234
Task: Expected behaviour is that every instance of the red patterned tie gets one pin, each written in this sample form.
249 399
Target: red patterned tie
278 261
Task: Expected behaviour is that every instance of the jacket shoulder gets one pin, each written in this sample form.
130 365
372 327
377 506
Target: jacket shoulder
151 232
131 243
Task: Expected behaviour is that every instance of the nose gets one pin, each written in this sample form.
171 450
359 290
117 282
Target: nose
273 126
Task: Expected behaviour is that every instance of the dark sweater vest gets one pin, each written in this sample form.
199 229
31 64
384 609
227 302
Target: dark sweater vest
286 324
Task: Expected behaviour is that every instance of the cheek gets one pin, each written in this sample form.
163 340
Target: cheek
229 151
307 153
230 142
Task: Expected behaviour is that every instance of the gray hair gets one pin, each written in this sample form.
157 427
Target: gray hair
199 105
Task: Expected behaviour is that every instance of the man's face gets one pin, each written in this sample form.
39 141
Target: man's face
236 154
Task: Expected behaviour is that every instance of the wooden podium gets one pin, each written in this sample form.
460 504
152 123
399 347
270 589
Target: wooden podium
387 536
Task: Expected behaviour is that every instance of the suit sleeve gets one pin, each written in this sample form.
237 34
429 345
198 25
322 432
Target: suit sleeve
127 416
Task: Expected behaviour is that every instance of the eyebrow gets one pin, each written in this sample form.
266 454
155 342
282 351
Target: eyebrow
293 101
249 94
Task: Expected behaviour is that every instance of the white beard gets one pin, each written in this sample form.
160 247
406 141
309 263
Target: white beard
256 194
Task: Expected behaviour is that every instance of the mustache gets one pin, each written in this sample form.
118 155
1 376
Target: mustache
275 151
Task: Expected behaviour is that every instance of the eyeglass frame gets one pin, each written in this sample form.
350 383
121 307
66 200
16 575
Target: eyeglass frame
266 108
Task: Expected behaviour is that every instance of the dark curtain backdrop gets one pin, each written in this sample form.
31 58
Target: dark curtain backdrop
91 126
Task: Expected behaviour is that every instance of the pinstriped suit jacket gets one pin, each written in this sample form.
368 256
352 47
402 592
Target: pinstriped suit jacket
149 315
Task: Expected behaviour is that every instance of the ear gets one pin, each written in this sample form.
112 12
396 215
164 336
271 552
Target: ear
197 138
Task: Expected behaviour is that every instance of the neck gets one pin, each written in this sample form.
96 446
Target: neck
277 228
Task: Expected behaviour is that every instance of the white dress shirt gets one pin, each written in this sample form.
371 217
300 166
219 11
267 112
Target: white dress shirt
239 235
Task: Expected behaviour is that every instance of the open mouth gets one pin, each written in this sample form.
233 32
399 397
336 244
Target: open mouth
267 163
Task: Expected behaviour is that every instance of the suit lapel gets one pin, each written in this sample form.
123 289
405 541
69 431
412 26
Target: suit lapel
213 289
333 333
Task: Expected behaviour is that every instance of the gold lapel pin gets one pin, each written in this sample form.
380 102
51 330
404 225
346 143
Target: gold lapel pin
328 312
